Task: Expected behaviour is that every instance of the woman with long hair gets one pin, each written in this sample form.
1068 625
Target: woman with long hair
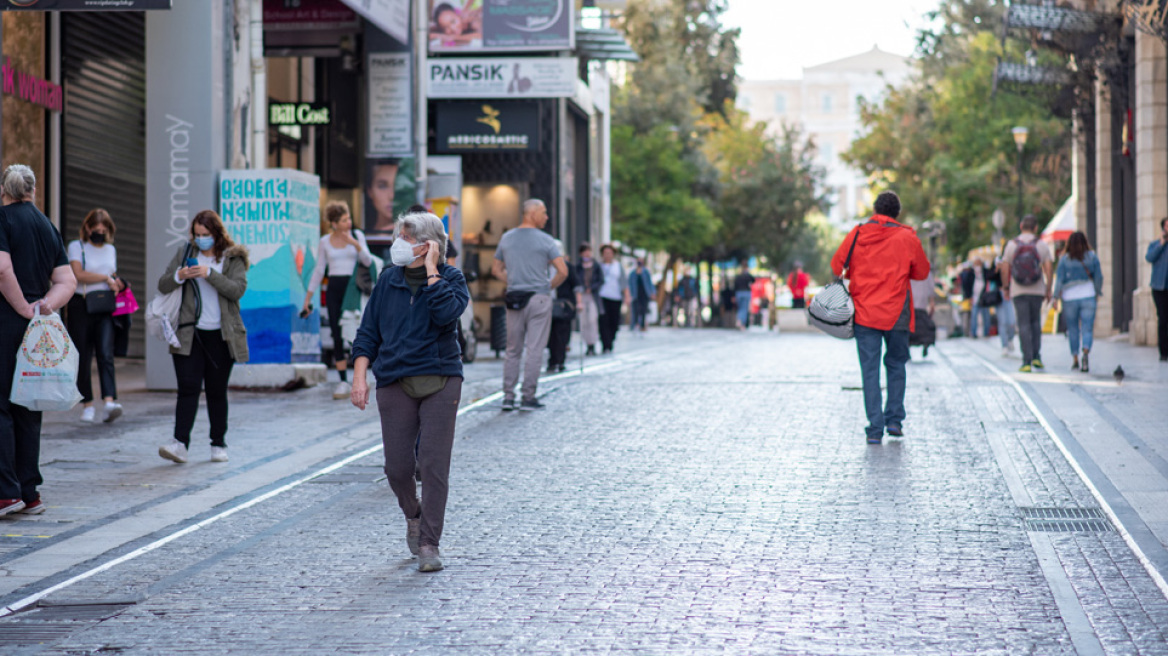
95 265
212 271
1078 282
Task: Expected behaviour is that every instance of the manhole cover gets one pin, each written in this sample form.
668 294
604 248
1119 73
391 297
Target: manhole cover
1065 520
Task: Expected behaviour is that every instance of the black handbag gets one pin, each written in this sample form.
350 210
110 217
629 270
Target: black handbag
102 301
990 298
563 310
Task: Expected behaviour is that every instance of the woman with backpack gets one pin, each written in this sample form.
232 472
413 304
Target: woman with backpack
1078 282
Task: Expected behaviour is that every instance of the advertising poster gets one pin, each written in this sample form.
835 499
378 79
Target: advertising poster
390 16
502 77
390 189
463 127
495 25
276 214
390 105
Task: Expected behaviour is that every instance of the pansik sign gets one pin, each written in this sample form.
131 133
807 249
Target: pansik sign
390 16
305 114
463 127
483 77
391 131
84 5
461 25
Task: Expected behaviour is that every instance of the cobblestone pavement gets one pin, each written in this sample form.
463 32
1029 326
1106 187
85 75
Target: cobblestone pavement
711 495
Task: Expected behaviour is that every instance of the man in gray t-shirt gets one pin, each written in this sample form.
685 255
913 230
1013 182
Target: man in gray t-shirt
521 260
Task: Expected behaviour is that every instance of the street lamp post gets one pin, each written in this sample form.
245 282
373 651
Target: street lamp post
1020 134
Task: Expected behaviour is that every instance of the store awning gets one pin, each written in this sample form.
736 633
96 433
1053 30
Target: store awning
603 44
1063 223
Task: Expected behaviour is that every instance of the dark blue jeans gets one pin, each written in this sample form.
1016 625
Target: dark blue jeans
869 343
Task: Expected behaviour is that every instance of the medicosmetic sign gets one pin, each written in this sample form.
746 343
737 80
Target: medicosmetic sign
496 77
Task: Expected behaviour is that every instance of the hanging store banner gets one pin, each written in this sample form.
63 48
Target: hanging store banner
84 5
391 132
498 25
463 127
390 16
488 77
297 15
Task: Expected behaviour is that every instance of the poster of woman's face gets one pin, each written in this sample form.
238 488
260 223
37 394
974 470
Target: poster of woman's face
389 190
456 24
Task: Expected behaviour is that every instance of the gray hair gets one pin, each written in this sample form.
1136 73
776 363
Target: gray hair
19 182
531 204
422 227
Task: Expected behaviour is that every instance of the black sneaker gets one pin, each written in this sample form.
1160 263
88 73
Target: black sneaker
531 405
508 405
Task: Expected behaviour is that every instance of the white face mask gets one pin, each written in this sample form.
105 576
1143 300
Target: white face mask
402 253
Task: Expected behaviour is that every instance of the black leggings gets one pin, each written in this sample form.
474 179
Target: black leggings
208 367
334 298
1160 296
93 334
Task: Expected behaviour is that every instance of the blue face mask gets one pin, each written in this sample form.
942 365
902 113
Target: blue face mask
204 243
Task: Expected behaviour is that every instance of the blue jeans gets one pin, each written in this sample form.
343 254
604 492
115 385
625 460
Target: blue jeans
743 299
1007 322
980 312
1081 311
868 343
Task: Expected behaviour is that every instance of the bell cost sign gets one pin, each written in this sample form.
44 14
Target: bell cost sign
509 77
298 114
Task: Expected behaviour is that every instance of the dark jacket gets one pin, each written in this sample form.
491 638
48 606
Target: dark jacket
413 335
597 282
567 289
231 284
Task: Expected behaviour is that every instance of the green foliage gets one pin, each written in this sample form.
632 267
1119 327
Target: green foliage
814 247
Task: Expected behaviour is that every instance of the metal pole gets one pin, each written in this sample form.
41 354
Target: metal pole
1018 215
421 24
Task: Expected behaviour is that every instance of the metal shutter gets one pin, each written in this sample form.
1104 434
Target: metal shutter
104 137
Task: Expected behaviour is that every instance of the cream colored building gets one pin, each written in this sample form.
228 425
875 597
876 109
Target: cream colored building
824 103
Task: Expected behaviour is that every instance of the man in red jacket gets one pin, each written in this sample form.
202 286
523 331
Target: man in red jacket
887 255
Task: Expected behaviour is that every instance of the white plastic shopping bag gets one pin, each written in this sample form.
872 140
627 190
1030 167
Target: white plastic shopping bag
162 317
46 366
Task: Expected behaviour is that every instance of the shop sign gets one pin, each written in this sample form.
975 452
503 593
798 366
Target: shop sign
304 114
463 127
489 77
499 25
31 88
390 16
292 15
390 104
84 5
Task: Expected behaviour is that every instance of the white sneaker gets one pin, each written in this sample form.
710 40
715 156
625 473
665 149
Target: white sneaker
1005 351
342 391
175 451
112 411
218 454
89 415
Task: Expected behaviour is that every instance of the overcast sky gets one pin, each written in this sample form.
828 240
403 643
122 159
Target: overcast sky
781 37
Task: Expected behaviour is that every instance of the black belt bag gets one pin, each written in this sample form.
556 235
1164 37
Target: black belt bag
517 300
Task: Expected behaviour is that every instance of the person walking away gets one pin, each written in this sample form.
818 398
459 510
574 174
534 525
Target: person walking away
1158 255
95 265
1078 281
798 282
35 276
924 295
980 314
211 271
339 252
759 299
887 256
641 291
590 278
742 284
1007 319
521 261
685 299
966 278
408 337
613 292
565 308
1026 276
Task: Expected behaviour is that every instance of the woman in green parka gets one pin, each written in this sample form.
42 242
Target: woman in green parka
212 271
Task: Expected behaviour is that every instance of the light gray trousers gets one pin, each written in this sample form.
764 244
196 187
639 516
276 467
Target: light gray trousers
527 331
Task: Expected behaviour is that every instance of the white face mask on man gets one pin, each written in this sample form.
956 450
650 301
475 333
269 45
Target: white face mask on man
401 253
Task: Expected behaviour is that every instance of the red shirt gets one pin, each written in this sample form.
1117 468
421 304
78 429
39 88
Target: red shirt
888 254
798 282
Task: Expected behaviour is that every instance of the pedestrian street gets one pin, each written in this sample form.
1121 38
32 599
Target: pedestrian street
706 495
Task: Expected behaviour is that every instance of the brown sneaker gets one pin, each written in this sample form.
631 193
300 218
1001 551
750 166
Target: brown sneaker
413 534
428 559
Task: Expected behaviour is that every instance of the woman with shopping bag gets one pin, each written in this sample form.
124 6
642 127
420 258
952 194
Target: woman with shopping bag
211 271
34 271
90 320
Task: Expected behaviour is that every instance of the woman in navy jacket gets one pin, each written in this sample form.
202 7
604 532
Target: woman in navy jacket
408 334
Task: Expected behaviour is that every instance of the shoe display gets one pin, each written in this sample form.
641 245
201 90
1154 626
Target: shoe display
429 559
89 415
341 392
529 405
508 405
113 410
413 534
175 451
218 454
9 506
35 508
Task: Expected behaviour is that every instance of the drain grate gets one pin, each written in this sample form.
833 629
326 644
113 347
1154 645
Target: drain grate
1065 520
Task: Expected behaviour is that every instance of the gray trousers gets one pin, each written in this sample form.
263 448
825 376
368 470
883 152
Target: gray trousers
527 331
1028 307
419 433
